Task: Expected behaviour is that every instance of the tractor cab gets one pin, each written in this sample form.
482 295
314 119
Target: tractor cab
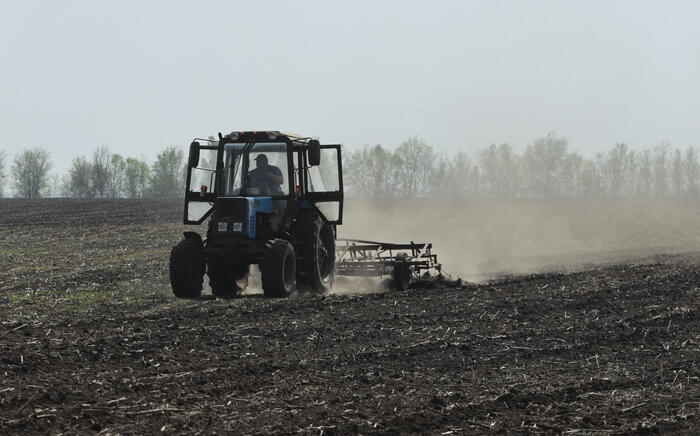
223 169
267 195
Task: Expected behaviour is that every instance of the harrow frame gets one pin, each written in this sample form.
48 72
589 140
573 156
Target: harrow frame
357 257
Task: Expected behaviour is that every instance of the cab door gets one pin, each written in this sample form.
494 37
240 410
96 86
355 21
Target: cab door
324 184
200 189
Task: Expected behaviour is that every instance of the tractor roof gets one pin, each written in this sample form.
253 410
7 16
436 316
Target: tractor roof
267 135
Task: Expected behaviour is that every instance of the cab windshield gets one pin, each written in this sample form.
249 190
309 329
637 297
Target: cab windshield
260 169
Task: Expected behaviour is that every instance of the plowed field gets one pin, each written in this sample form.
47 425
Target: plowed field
91 341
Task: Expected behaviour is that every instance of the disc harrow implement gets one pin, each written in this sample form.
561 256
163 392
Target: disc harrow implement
401 262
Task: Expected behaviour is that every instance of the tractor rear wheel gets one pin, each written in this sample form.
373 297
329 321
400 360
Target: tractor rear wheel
316 250
278 269
223 277
187 269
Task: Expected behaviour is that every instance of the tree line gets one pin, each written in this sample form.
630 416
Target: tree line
101 175
545 168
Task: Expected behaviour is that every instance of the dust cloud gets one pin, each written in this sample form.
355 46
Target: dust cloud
360 285
479 239
342 284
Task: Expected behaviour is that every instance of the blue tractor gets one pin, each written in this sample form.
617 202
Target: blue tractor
272 199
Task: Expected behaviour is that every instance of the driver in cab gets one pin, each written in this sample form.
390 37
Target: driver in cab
266 175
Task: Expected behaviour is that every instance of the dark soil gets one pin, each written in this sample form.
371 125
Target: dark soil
91 341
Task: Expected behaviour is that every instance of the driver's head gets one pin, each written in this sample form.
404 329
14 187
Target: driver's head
261 161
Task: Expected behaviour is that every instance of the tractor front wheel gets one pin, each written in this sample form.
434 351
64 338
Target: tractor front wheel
187 269
278 269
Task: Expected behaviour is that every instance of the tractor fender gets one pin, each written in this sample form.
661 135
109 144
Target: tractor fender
194 236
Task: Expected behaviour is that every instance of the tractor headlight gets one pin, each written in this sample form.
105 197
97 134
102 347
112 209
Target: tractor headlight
233 136
237 227
223 227
273 135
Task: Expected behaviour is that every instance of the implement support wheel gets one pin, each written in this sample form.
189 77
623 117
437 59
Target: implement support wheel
401 276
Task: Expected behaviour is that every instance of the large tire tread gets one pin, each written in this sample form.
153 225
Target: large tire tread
223 276
272 268
187 269
308 234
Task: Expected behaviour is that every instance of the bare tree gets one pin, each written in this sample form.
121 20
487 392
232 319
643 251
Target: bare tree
690 171
490 168
2 173
358 174
631 174
574 166
54 187
167 174
645 174
590 183
510 174
115 182
439 183
677 174
385 171
80 178
616 169
135 177
543 164
416 158
30 171
101 170
545 168
499 170
463 180
660 169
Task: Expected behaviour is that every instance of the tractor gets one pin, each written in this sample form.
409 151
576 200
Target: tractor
272 199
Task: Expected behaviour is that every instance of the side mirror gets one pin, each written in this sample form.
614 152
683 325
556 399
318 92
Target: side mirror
194 155
314 152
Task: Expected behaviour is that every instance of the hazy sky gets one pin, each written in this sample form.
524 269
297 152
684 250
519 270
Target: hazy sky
138 76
